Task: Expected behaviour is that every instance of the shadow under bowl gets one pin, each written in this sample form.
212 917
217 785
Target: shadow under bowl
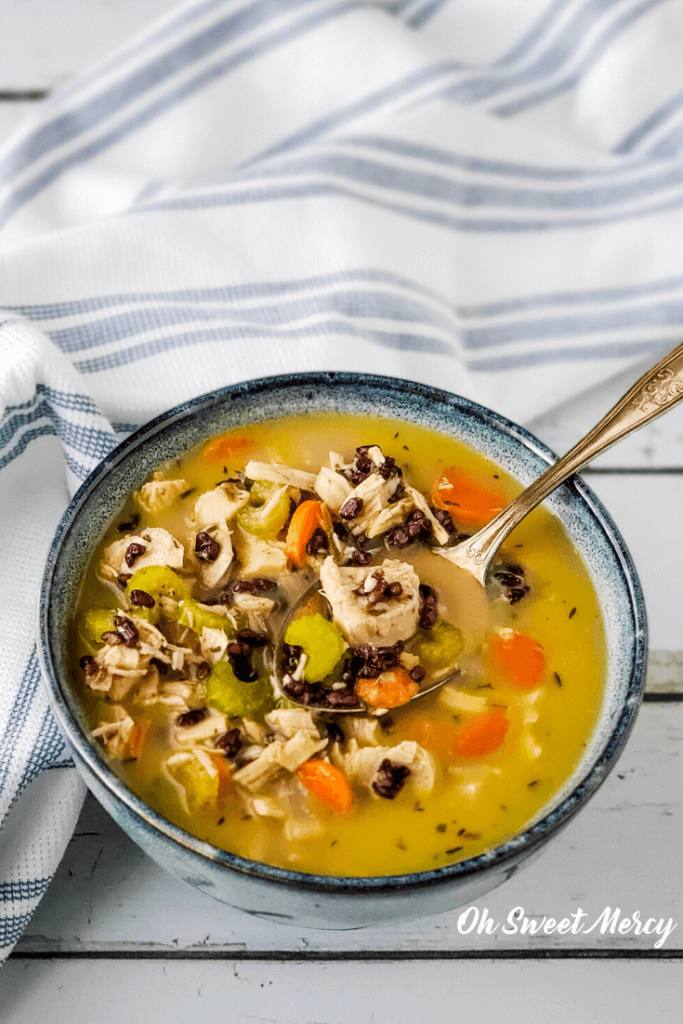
278 894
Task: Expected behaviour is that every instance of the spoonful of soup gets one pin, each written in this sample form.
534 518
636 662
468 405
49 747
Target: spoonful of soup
381 613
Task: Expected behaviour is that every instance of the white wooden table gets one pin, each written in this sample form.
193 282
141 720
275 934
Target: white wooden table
116 939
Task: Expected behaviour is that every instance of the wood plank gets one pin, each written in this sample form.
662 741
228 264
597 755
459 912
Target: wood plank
648 512
665 674
653 447
344 993
109 896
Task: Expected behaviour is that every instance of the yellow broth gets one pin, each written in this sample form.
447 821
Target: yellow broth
478 802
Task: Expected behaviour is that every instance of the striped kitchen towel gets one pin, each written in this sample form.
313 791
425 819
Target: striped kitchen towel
482 195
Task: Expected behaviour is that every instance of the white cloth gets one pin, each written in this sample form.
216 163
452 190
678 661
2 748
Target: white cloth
480 195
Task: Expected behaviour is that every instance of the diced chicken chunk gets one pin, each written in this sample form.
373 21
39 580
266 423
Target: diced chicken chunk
286 722
159 548
459 700
360 765
277 474
212 724
256 609
159 493
259 772
332 488
254 731
365 731
391 516
419 500
376 454
259 557
115 734
213 644
176 693
287 799
219 505
266 807
374 493
299 748
280 755
214 573
150 639
120 668
382 624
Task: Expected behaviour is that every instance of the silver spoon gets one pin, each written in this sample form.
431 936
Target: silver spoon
656 392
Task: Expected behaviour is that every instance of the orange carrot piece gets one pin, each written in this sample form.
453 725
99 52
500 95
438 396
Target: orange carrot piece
391 689
137 738
482 735
436 736
223 447
308 516
516 658
469 501
327 783
226 786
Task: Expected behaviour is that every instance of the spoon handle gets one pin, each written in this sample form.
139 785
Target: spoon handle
656 392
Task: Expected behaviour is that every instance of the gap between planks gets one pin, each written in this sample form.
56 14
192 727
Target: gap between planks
138 952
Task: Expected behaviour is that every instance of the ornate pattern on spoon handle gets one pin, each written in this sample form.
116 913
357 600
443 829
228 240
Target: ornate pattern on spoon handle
660 391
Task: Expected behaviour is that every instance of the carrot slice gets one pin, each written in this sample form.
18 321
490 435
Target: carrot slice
516 658
137 738
469 501
308 516
482 735
391 689
226 786
327 783
223 447
436 736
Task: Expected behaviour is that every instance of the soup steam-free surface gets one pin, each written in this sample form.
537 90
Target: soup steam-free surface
477 800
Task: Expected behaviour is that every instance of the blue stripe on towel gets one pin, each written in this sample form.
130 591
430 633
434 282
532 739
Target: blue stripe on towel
613 31
597 195
482 224
399 340
548 356
12 927
32 188
355 304
23 889
94 112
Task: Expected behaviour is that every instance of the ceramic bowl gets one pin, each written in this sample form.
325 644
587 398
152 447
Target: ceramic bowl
290 896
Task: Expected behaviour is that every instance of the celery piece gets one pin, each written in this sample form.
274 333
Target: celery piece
157 581
260 517
236 699
97 621
322 643
191 613
439 647
200 786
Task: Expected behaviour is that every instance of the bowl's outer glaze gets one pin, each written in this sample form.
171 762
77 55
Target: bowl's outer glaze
290 896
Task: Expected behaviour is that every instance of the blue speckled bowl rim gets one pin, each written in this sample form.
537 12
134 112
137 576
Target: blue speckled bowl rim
523 843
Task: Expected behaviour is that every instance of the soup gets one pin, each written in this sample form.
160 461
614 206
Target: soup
214 690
